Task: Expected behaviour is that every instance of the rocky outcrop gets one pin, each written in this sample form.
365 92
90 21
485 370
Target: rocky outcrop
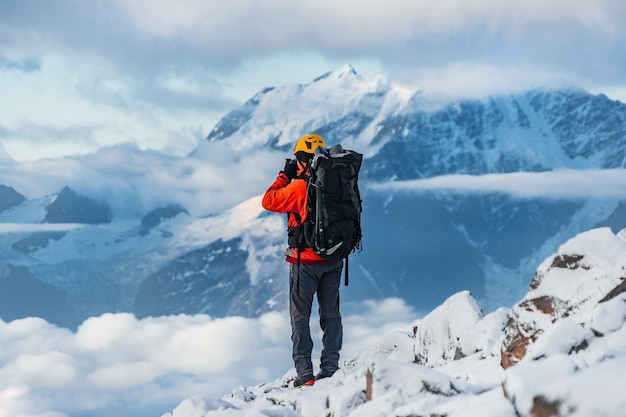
563 338
571 284
575 309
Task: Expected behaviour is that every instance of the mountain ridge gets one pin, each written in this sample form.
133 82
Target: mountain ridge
558 351
410 238
582 126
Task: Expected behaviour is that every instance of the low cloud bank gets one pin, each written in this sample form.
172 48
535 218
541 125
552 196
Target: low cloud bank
38 227
133 181
559 184
118 365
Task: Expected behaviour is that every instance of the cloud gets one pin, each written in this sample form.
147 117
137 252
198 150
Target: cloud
579 35
161 73
404 32
44 132
558 184
118 365
460 80
37 227
133 181
392 20
23 65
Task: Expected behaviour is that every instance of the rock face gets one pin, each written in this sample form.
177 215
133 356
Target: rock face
571 284
22 295
70 207
200 281
9 198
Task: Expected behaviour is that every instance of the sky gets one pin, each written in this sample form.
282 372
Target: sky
77 76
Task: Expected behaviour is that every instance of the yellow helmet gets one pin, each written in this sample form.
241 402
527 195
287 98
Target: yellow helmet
308 143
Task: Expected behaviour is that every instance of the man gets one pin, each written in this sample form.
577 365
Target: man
308 273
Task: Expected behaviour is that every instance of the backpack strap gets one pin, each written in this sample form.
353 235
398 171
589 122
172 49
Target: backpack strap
295 234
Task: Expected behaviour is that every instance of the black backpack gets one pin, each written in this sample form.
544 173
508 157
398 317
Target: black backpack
333 224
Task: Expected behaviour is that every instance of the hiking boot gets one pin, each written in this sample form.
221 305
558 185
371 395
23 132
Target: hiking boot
304 381
324 374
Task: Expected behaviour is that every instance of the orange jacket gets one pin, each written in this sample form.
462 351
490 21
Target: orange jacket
284 196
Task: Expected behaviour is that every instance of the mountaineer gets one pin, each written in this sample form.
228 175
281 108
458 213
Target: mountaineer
309 273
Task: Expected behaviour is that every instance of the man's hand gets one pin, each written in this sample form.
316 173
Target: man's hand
291 168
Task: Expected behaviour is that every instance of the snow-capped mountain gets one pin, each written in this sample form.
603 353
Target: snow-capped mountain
408 135
560 351
106 253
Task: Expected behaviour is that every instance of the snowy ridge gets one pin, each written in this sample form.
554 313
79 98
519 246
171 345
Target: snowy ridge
532 131
455 362
121 246
276 116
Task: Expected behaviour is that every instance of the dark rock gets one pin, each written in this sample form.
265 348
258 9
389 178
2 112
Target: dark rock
9 198
36 241
202 281
70 207
22 295
156 216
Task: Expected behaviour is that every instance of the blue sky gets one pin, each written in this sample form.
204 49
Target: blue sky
78 75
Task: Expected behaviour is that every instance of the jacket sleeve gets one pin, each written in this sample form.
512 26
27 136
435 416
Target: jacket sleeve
283 196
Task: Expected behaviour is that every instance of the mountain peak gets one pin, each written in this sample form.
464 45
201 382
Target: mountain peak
477 136
70 207
345 72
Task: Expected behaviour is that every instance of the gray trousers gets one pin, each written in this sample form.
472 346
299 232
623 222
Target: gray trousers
304 281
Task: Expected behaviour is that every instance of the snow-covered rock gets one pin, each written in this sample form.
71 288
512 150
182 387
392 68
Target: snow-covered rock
583 273
441 334
573 364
